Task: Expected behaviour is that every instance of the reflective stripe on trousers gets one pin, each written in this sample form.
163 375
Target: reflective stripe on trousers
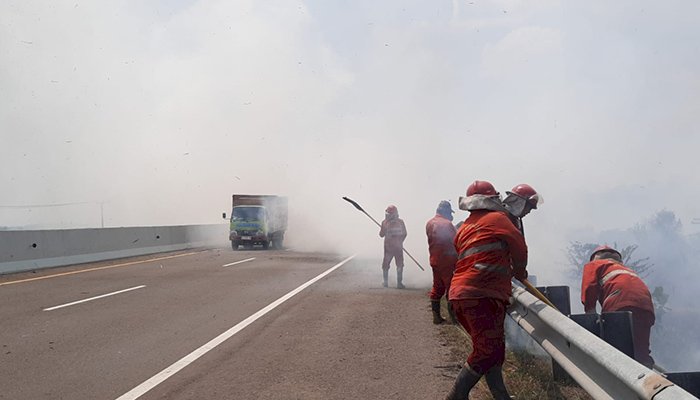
484 247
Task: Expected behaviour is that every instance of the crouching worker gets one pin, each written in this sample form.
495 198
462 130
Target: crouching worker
618 288
490 251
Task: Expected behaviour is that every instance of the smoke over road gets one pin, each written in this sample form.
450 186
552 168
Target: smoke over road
155 113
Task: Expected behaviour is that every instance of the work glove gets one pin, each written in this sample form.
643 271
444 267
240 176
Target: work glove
520 274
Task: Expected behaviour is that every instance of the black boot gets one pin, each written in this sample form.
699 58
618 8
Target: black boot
464 383
494 378
399 278
437 318
385 275
451 313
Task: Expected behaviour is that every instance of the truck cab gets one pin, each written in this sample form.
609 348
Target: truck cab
258 220
248 226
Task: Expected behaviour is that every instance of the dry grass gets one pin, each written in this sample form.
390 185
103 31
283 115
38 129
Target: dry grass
528 377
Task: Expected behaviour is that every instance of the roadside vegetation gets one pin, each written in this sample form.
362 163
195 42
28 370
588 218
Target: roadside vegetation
528 377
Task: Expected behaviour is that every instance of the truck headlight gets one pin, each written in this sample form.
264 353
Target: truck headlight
234 233
260 233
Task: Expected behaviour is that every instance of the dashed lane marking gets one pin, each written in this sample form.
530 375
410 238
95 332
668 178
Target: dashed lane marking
94 298
239 262
158 378
98 268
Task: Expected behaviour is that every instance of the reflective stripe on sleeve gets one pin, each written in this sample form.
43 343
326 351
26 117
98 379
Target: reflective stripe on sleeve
500 269
480 249
615 273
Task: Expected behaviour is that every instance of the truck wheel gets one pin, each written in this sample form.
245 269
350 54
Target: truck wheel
234 245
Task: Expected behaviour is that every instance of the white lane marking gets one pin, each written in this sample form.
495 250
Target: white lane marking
93 298
158 378
100 268
238 262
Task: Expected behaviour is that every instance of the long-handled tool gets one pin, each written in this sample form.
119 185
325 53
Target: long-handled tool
530 288
533 290
354 203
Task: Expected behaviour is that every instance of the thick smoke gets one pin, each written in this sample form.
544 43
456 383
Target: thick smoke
156 112
672 257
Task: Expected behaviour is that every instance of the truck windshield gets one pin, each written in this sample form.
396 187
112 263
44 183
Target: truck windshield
248 213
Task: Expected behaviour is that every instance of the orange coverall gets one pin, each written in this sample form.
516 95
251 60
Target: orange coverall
443 256
490 250
618 288
394 232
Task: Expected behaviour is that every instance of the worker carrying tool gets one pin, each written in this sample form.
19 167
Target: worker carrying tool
490 251
393 230
618 288
443 256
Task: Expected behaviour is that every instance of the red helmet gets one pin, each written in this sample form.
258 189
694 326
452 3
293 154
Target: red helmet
391 209
603 248
528 193
481 187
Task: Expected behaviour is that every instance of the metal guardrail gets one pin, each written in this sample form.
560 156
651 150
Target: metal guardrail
603 371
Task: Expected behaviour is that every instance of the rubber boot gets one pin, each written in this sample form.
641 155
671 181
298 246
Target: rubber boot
385 275
494 378
399 278
435 306
451 313
464 383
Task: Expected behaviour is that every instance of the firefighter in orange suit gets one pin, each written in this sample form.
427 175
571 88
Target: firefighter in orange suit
443 256
393 231
522 199
491 250
619 288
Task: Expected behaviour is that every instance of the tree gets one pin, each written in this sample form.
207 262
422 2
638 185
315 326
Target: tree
641 266
660 299
579 253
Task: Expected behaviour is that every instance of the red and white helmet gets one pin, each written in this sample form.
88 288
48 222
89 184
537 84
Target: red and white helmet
603 248
528 193
481 187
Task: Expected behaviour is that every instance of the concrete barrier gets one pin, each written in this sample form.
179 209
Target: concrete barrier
30 250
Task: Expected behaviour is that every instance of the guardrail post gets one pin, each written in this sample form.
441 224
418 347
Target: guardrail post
613 327
690 381
603 371
559 296
616 329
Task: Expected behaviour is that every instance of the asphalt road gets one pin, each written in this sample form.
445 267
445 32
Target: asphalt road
117 330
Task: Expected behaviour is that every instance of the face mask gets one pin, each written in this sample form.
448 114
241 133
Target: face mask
516 205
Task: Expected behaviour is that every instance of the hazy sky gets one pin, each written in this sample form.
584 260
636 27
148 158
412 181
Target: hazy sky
162 109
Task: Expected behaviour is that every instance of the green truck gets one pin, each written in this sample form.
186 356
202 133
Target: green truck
258 220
